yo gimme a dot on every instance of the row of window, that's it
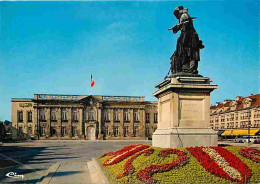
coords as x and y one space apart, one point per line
74 131
53 131
20 116
243 124
244 115
147 117
127 116
90 115
29 130
126 133
64 132
53 115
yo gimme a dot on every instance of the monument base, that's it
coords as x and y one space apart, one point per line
184 137
184 112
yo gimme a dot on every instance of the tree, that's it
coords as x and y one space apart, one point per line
2 131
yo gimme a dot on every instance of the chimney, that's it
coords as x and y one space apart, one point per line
238 98
225 101
217 103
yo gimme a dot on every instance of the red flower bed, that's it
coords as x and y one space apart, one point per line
250 154
118 151
225 167
129 169
123 153
145 174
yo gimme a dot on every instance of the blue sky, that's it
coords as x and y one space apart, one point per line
54 47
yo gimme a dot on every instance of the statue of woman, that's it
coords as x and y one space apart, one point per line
187 54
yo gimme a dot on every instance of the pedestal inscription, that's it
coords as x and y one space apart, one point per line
191 109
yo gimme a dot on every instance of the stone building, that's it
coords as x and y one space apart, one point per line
49 116
236 114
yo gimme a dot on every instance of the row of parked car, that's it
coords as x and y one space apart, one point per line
254 139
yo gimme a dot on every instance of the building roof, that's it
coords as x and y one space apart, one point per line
62 97
255 100
241 103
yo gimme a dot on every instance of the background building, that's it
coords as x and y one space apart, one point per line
237 114
49 116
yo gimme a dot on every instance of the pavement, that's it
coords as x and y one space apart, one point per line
56 161
62 162
73 172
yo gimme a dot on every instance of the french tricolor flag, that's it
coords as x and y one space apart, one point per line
92 81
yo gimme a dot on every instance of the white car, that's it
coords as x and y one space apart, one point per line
240 140
252 139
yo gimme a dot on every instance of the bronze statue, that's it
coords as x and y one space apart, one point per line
185 58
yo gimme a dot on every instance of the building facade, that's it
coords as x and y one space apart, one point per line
236 114
49 116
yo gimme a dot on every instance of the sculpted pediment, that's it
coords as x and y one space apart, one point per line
90 100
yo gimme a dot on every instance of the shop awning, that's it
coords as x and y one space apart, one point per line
220 132
240 132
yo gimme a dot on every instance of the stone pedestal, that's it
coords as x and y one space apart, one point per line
184 112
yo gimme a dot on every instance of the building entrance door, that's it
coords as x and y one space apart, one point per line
91 133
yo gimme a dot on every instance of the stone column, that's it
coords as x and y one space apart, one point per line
121 120
131 124
34 116
100 136
25 128
35 124
48 128
111 126
121 125
59 122
80 122
142 123
69 123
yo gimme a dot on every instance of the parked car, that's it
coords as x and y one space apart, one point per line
240 140
257 141
254 139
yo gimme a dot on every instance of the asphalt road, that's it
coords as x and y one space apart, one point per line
32 159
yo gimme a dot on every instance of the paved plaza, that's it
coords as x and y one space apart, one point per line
58 162
33 159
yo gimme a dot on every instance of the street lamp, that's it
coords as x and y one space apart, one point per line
249 125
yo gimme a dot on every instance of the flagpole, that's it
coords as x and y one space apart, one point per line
91 84
91 78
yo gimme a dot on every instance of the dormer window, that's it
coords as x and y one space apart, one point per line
247 102
233 105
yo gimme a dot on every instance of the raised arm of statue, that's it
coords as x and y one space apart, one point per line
175 28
